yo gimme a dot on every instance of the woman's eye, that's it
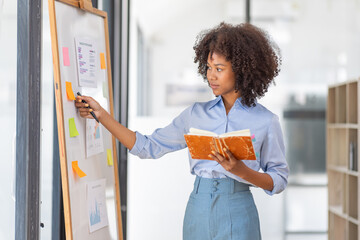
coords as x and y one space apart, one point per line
219 69
208 68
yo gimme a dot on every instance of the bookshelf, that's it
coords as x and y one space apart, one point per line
342 160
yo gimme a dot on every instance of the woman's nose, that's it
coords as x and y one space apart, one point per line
211 75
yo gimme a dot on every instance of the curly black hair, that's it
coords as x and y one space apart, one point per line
254 57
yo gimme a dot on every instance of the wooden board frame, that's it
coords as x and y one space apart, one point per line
86 6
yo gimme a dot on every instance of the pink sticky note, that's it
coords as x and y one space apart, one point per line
66 59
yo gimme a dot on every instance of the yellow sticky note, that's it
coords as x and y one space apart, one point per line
102 61
77 169
69 91
110 161
72 128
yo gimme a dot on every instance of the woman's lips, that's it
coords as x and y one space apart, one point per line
214 86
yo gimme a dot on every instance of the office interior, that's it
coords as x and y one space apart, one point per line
154 79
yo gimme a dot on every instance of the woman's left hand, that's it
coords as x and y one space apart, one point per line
230 164
238 168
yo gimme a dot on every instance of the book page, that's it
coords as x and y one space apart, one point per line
242 133
195 131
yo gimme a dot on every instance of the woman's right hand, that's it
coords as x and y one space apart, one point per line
85 111
123 134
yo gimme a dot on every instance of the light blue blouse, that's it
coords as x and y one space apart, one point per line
264 126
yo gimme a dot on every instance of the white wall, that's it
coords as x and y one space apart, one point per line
158 189
319 43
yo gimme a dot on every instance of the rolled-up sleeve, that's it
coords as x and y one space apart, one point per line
163 140
273 161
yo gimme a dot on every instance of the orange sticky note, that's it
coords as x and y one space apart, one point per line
66 59
69 91
77 169
110 161
102 61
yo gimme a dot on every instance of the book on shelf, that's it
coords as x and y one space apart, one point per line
202 142
353 157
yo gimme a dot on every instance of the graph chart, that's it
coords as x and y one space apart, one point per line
95 214
96 201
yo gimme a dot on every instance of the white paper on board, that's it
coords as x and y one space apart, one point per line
96 201
87 63
94 138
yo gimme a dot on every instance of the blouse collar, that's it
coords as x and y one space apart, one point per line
237 103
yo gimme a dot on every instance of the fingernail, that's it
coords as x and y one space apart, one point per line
90 110
86 105
79 100
213 152
210 156
224 149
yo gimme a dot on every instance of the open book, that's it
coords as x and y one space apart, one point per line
238 142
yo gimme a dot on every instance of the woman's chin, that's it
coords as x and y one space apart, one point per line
216 92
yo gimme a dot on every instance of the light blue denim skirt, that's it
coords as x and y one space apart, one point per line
221 209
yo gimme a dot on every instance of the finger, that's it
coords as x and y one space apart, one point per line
78 99
214 158
85 115
84 110
81 105
213 155
87 98
218 156
229 154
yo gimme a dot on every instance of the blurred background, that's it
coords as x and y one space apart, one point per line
319 42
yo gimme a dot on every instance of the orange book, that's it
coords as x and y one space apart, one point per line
239 143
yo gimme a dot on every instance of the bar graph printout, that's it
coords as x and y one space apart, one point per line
94 138
96 201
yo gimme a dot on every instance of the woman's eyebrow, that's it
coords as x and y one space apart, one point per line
217 64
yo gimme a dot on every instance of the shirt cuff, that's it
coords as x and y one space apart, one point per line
277 187
139 144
